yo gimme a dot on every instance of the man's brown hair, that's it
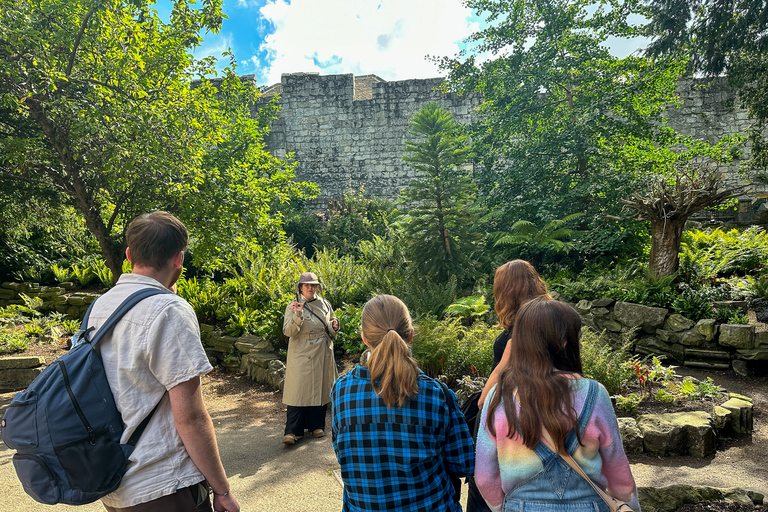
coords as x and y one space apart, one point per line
154 238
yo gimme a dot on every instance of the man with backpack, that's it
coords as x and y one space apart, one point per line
154 357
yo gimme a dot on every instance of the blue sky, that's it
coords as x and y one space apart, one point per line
388 38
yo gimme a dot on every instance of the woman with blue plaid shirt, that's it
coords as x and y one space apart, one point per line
393 431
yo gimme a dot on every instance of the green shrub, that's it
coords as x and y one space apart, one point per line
702 390
628 403
445 347
603 363
348 340
70 326
693 304
100 269
34 330
12 342
468 309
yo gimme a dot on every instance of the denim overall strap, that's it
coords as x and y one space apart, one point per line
571 441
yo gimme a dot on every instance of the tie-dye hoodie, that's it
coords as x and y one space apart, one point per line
503 463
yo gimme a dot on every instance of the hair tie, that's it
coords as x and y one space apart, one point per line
391 330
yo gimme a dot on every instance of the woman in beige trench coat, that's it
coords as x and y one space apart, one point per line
310 369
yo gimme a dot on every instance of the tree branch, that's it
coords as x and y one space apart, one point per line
77 40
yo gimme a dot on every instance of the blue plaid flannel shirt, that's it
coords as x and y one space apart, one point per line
392 459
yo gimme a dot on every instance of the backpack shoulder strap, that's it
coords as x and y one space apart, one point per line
118 313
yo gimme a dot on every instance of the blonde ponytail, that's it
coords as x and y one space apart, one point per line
386 324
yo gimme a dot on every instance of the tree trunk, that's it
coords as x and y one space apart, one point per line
665 245
73 183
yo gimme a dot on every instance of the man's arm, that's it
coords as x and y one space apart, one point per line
196 430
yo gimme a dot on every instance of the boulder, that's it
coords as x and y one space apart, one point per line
678 323
686 433
603 303
692 338
608 325
636 315
668 336
707 327
741 414
761 339
660 436
737 336
672 497
631 436
583 307
600 312
273 374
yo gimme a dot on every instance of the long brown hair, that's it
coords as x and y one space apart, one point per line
386 324
545 345
515 283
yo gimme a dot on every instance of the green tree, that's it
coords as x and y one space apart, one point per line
720 37
97 104
558 109
533 243
684 182
439 217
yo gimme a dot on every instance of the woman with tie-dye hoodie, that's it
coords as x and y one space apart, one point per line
543 406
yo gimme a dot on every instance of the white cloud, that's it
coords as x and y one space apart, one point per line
389 38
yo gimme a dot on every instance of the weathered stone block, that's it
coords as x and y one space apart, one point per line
700 354
667 336
636 315
600 312
603 303
631 436
738 336
752 355
741 415
692 338
692 432
721 418
672 497
15 363
15 379
761 339
654 346
12 286
224 344
608 325
583 307
660 436
7 294
75 300
678 323
707 327
741 305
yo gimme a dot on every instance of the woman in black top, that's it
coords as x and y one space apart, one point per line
515 283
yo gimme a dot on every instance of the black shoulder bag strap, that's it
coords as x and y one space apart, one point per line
455 480
322 321
108 325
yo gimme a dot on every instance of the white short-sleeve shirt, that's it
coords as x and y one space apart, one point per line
154 347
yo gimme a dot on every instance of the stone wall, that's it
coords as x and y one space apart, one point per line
347 131
703 344
55 298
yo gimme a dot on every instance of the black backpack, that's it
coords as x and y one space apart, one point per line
66 428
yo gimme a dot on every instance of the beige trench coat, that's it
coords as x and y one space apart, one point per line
310 368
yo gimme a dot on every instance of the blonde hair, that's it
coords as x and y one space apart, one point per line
386 324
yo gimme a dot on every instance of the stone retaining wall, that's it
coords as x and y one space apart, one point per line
703 344
55 298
